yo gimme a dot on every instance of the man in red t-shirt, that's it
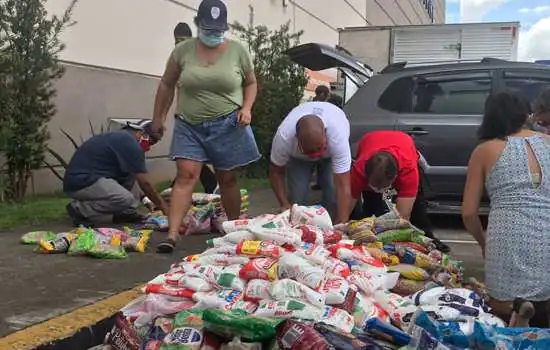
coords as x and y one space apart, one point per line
385 160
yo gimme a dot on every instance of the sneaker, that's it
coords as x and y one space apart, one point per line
131 217
76 217
442 247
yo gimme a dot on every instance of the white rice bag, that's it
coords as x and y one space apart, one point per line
276 231
195 283
314 215
231 238
317 254
294 267
290 308
370 281
218 299
289 289
335 290
338 318
257 290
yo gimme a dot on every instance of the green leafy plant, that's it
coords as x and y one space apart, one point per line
29 51
61 162
280 84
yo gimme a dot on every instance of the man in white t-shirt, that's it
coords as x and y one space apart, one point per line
313 134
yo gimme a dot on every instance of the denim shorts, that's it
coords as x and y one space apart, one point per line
220 142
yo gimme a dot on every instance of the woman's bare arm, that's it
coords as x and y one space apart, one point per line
473 190
165 91
250 87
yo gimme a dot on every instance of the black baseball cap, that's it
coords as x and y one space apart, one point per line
182 30
212 15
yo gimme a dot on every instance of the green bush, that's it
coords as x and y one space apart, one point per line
280 84
29 49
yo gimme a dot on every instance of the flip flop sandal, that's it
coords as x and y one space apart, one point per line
167 246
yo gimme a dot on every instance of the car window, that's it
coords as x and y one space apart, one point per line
457 94
527 84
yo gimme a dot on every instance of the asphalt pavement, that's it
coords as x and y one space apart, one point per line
38 287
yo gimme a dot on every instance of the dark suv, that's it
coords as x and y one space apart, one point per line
439 105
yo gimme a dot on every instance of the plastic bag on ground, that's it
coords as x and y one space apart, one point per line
60 244
83 243
289 289
314 215
238 324
148 307
290 308
36 236
294 267
294 335
136 240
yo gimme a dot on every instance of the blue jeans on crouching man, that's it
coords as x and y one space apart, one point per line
298 176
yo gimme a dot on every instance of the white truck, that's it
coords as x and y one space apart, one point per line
424 44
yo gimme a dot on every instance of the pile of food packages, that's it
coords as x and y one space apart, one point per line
295 281
105 243
205 216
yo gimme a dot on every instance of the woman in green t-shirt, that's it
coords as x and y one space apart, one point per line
216 88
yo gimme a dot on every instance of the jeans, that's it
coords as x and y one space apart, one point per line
298 176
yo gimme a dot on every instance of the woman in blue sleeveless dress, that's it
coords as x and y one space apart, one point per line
513 165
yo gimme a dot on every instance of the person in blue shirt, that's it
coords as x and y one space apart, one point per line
105 174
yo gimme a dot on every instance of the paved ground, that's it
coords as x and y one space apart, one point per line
37 287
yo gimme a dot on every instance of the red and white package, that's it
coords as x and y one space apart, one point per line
338 318
315 235
277 231
260 268
312 252
247 306
365 259
335 267
284 289
257 290
216 259
297 268
368 281
366 308
168 290
335 291
314 215
228 249
257 249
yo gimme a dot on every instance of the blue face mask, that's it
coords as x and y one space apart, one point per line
211 39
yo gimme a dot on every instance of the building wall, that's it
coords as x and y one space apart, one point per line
113 38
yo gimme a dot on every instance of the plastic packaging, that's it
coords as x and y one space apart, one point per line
289 289
237 344
317 254
257 290
381 255
58 245
405 287
217 259
318 236
344 341
83 243
403 235
36 236
314 215
335 290
294 335
257 249
290 308
277 231
335 267
260 268
168 290
195 283
410 272
386 331
136 240
294 267
369 282
233 237
235 323
338 318
217 299
364 308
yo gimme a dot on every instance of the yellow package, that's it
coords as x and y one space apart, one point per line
410 272
387 259
377 245
137 240
58 245
79 230
361 224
